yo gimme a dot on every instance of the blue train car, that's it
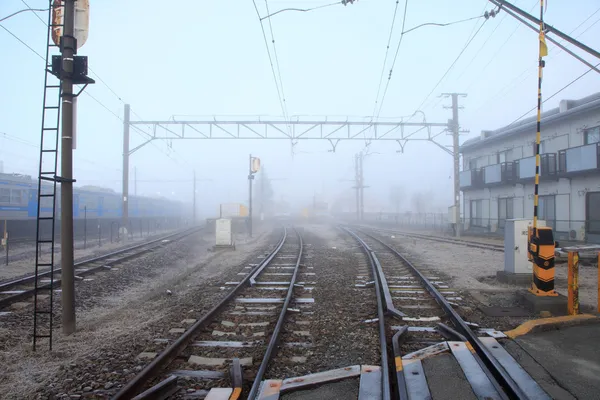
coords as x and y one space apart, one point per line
18 202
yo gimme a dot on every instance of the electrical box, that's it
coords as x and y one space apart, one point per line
516 256
452 214
224 235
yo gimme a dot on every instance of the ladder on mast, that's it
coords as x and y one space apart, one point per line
47 201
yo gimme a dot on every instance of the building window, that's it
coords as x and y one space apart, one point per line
591 135
505 211
476 213
592 213
472 163
543 147
547 210
16 196
502 156
5 196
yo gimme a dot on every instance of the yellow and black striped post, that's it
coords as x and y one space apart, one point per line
573 283
541 240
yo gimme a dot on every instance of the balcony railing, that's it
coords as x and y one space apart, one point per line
525 167
499 174
471 179
579 160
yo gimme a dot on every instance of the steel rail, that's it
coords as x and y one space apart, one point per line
468 243
275 335
27 279
494 371
385 370
6 301
135 385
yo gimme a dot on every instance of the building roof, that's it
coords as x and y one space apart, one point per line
566 109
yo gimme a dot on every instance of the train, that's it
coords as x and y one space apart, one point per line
19 196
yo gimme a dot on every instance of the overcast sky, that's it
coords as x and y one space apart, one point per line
208 58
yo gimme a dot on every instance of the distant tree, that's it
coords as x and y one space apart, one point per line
397 195
263 191
422 201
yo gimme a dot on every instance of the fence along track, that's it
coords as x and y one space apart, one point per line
462 242
233 318
18 289
502 376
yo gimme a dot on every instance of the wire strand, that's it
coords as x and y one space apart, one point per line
24 10
277 63
554 94
270 59
387 50
387 84
452 65
301 9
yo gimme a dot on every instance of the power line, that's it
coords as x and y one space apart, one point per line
94 98
387 49
555 93
387 84
22 42
516 80
482 47
276 61
452 65
24 10
300 9
283 110
497 52
482 14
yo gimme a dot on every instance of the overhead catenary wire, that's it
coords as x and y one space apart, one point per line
281 103
387 50
91 96
554 94
301 9
497 51
387 84
452 65
24 10
517 80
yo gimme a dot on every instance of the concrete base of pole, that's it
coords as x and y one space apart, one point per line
556 305
513 279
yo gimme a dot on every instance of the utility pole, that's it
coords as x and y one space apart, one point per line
125 206
357 186
135 181
262 193
250 178
194 200
68 50
455 128
362 186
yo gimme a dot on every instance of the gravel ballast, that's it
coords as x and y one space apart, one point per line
120 313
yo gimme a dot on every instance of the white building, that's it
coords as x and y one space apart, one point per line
497 180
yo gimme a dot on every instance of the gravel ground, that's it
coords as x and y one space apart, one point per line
118 322
474 269
23 258
338 334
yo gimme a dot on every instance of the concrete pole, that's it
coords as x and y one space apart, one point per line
125 206
194 200
362 186
455 149
250 177
357 184
69 49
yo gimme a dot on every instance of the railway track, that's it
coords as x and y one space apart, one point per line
420 321
15 290
461 242
225 353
